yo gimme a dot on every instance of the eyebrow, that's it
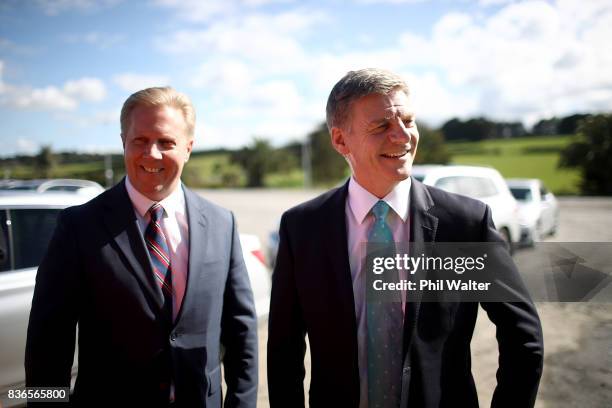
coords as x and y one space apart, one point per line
402 115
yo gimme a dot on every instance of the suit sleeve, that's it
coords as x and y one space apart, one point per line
239 332
519 335
52 326
286 331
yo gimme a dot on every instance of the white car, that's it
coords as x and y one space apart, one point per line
27 222
538 209
482 183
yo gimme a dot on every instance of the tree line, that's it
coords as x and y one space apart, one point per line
323 166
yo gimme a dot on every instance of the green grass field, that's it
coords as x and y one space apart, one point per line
533 157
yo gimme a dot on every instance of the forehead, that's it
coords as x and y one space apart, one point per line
380 106
157 118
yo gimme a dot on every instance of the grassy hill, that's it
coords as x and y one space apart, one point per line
529 157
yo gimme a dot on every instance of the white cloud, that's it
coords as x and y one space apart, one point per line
132 82
522 61
271 41
526 61
52 98
86 89
26 146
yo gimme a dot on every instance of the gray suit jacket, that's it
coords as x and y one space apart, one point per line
97 273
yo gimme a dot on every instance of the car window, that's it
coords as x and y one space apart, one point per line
31 232
521 194
64 188
5 251
471 186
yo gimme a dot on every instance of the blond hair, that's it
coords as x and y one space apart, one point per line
158 96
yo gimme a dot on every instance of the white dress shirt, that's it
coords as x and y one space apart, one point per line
176 228
359 220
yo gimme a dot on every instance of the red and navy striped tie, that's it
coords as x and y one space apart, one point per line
160 254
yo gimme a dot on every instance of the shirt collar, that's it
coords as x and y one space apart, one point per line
361 200
174 203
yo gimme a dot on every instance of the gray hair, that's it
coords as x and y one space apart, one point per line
158 96
356 84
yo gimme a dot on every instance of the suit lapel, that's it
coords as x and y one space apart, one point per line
335 244
199 237
423 228
423 225
122 224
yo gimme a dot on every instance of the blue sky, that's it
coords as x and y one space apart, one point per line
265 67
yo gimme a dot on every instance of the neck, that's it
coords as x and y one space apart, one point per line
379 191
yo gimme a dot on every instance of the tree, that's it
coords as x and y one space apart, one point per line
328 166
432 147
569 124
593 154
260 159
472 129
45 161
546 127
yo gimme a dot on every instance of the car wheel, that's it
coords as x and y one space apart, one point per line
555 227
536 234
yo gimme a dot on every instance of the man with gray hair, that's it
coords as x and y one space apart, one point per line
404 352
154 277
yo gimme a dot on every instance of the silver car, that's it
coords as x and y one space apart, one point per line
538 209
482 183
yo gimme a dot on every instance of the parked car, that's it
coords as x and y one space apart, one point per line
27 222
85 187
538 209
482 183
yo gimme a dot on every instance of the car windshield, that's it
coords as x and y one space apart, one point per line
521 194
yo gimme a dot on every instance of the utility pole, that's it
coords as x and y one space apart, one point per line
108 170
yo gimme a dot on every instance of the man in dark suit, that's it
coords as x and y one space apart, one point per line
319 282
153 275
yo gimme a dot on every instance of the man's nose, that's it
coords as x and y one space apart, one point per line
153 151
399 134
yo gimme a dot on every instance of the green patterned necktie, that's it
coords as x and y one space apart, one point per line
384 322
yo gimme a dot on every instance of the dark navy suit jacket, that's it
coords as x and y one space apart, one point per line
312 294
97 273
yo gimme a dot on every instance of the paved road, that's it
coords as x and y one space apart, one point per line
578 351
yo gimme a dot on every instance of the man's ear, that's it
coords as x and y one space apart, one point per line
189 148
338 139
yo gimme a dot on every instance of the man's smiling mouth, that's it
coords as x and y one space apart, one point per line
152 169
396 155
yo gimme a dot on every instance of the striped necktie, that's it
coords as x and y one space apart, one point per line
159 254
384 322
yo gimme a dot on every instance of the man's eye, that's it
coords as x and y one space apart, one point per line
380 127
